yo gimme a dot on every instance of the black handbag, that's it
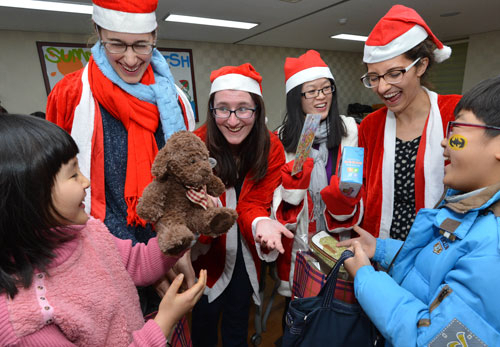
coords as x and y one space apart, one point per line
325 321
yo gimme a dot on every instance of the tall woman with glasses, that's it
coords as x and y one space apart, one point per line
311 201
120 109
249 159
403 157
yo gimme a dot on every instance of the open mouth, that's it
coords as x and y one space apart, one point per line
392 97
234 130
131 69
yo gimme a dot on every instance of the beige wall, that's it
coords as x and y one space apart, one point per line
22 88
483 58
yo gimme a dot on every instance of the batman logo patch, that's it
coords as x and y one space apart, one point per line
457 142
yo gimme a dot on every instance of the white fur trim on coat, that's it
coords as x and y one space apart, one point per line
83 129
433 163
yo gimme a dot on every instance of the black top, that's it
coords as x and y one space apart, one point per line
115 170
404 188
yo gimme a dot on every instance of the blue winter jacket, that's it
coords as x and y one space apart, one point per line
444 286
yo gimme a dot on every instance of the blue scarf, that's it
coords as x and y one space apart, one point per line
163 93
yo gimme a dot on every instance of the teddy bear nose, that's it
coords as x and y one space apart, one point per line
205 170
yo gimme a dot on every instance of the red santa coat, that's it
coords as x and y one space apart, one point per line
293 208
72 105
377 134
218 255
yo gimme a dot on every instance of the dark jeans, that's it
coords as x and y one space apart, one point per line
233 304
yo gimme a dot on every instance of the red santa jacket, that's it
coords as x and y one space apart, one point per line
373 136
218 255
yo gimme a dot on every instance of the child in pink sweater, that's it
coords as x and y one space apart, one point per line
64 279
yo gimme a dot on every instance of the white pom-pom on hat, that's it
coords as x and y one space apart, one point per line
442 54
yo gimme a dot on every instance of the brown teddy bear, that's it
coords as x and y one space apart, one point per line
176 201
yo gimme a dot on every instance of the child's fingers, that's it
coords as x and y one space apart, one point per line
175 285
202 281
345 243
360 231
358 249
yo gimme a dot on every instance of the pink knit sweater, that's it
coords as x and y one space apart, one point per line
88 296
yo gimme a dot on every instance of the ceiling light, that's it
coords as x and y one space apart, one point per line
209 21
349 37
450 14
48 6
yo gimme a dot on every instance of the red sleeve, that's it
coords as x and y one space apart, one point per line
256 197
341 212
145 263
63 99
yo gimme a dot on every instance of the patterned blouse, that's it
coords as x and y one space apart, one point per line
404 188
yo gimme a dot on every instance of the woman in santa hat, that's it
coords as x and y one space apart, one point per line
249 160
310 200
404 164
120 109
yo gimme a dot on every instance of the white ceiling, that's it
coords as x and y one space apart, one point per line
305 24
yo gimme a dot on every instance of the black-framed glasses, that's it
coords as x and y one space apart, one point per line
452 124
311 94
118 47
224 112
372 80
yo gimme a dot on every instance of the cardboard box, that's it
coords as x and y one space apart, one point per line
351 170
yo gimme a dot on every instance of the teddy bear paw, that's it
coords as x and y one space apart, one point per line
222 222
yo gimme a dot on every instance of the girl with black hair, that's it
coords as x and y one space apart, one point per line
311 201
64 278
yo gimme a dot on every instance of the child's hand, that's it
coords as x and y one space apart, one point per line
183 266
352 265
174 305
366 240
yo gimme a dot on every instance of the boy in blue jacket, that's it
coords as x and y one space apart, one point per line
442 287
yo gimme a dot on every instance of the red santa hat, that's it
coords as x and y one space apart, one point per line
397 32
308 67
125 16
243 77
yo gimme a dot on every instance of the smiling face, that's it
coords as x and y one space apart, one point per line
398 97
234 129
68 194
320 104
476 162
129 65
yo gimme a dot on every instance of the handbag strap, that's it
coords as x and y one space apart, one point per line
328 289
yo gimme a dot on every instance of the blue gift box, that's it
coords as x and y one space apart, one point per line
351 170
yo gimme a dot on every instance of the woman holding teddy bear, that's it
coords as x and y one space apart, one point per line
249 160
